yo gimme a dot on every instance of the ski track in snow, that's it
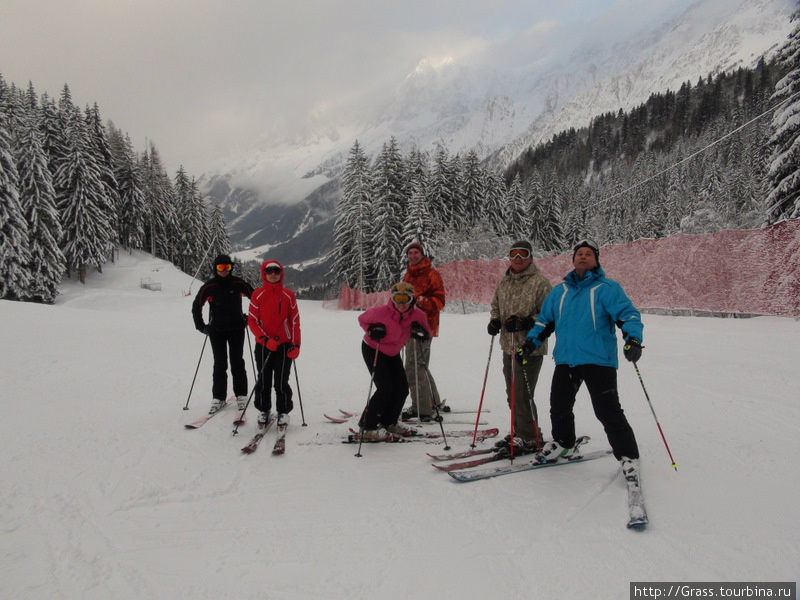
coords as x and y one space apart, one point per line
105 495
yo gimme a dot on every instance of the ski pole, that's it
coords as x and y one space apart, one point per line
513 401
250 345
483 391
366 408
430 389
240 420
299 395
652 410
534 412
195 373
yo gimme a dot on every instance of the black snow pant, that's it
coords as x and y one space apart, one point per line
601 382
391 389
275 370
224 343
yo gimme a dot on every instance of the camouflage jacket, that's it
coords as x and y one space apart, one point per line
520 294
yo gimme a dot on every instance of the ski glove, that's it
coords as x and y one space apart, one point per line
293 352
204 329
515 323
270 343
418 331
632 349
524 351
376 331
493 328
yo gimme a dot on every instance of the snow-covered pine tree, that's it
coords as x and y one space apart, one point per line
14 255
159 206
473 189
99 146
350 255
46 263
442 189
82 204
516 210
131 216
494 205
784 169
217 232
388 214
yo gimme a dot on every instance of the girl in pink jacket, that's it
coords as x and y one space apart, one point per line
388 328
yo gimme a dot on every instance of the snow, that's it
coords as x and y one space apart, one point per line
106 495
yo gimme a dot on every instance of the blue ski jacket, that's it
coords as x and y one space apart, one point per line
583 313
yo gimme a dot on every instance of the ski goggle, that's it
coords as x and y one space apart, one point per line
519 252
272 270
224 268
584 243
401 298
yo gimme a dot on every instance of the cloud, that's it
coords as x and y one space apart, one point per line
208 79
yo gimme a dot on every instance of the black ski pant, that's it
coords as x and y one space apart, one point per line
391 388
601 382
275 370
224 343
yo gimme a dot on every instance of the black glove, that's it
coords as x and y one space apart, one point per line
632 349
524 351
376 331
418 331
515 323
204 329
493 328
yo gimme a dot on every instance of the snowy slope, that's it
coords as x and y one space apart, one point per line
105 495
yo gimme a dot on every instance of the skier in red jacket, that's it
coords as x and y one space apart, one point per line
275 322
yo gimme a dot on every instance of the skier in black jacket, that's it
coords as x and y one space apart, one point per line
225 329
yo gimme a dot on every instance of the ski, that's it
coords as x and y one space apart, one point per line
336 419
417 423
206 418
252 446
347 414
280 442
482 434
637 515
519 466
467 464
430 438
464 454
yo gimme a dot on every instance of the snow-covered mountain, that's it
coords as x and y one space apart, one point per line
500 102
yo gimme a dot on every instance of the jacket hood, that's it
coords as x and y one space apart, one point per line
264 266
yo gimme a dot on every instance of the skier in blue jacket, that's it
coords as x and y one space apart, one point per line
584 312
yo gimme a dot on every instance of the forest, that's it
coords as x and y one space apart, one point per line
73 192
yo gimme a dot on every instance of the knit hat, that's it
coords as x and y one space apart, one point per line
402 292
222 259
416 245
522 245
587 243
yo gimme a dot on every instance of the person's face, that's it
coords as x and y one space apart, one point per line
520 260
584 260
273 274
414 256
402 306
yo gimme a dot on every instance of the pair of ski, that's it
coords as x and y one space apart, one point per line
280 441
428 437
637 514
346 416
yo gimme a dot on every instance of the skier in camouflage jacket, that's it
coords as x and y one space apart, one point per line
517 301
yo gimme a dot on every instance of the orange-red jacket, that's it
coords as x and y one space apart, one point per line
429 291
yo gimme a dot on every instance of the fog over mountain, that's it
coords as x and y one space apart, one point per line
498 101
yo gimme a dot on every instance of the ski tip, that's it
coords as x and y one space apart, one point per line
637 525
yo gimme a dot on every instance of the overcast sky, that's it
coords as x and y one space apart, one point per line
205 78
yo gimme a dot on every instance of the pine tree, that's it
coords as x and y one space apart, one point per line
784 169
516 213
351 251
388 214
14 241
131 216
83 207
46 262
99 147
